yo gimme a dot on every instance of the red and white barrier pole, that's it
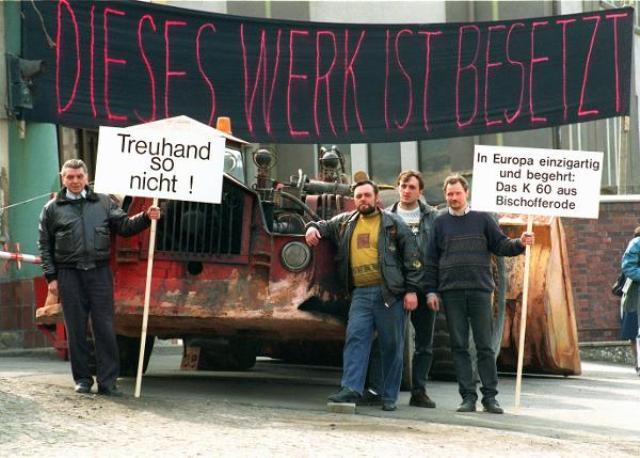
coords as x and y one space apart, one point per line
19 258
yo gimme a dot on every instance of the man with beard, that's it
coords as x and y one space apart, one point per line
377 261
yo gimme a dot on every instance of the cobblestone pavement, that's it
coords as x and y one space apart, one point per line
279 410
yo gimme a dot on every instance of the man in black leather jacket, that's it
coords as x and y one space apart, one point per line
377 261
75 244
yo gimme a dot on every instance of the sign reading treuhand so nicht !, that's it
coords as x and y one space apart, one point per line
122 63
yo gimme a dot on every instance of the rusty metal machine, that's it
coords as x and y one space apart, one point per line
236 279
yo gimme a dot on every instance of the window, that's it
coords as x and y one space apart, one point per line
80 144
384 162
612 4
612 137
435 165
441 158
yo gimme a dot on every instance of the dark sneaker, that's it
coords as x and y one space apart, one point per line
110 391
370 398
83 387
346 395
420 399
492 406
467 405
389 406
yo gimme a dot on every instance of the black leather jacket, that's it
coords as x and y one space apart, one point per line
398 255
427 215
77 233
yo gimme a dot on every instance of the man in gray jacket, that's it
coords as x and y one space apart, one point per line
377 261
75 244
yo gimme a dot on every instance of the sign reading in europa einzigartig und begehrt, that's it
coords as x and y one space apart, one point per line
536 181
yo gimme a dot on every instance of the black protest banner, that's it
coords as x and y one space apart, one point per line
120 63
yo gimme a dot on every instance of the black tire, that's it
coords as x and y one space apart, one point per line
223 354
407 356
321 353
244 354
129 349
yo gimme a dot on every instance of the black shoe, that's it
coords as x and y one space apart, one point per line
110 391
370 398
420 399
346 395
389 406
467 405
492 406
83 387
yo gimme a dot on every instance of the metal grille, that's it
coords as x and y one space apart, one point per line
194 229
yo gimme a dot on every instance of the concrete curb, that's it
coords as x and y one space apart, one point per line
165 349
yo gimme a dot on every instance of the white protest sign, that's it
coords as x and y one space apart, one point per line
177 161
536 181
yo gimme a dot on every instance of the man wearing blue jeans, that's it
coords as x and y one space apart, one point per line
458 267
377 260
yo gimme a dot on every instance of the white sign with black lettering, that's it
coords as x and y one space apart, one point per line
535 181
177 163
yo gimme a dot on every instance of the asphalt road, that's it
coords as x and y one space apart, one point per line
595 414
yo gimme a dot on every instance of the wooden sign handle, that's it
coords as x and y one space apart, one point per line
523 314
147 294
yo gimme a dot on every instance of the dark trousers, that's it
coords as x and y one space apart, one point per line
464 308
84 294
423 320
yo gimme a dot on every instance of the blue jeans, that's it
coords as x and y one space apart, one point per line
464 308
423 320
368 313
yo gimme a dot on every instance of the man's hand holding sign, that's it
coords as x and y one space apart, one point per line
534 181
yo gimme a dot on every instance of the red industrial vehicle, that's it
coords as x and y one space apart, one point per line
235 280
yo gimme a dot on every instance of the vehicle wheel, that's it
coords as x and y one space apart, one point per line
218 354
321 353
243 354
407 356
129 349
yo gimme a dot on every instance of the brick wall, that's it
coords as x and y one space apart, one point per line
17 312
595 249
